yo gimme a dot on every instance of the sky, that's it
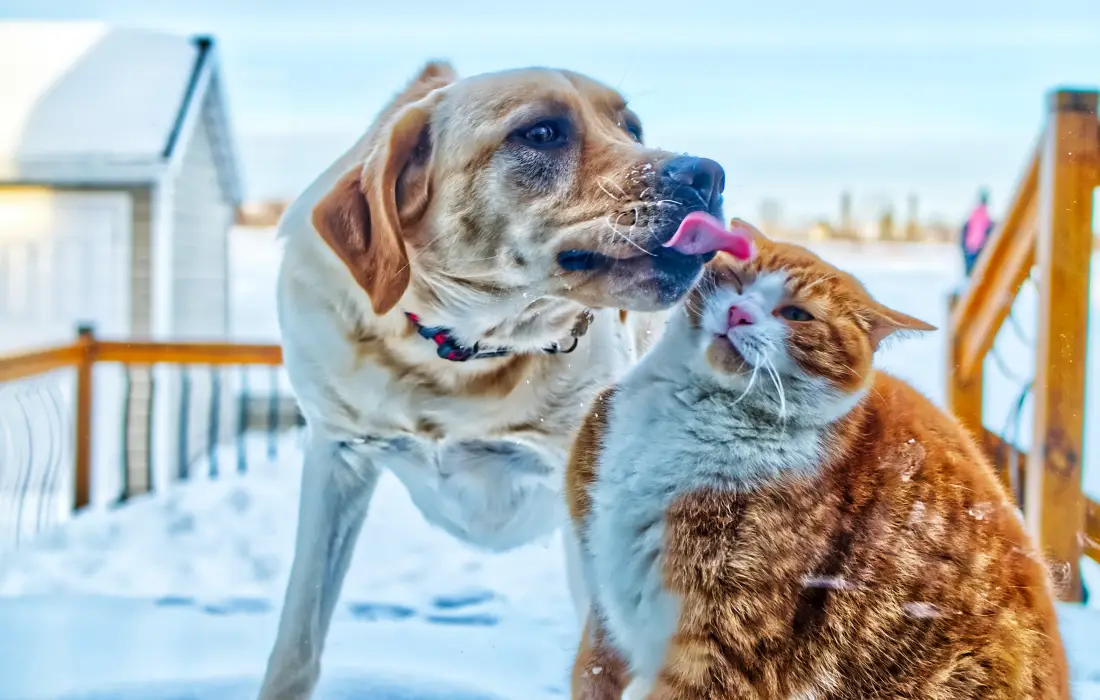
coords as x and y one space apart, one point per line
798 100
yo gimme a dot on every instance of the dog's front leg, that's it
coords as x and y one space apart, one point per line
336 489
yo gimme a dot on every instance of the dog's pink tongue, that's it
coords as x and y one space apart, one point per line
701 233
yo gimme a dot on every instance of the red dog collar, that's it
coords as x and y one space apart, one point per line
450 349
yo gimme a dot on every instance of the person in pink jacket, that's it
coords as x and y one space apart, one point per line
975 231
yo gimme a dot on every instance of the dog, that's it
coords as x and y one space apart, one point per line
454 291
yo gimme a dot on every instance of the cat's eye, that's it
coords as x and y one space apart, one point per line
794 313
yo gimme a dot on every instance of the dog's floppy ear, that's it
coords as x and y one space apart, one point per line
361 218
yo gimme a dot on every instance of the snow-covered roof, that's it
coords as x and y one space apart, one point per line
87 103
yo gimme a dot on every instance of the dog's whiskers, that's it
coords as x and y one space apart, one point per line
601 182
690 305
620 234
480 275
475 260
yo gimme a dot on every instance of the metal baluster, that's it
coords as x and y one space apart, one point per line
242 422
53 458
215 417
149 471
25 481
273 416
183 457
127 397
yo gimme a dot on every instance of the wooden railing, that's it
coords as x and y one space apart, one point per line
1048 228
88 352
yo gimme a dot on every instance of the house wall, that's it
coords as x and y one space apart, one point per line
64 259
201 219
173 407
141 312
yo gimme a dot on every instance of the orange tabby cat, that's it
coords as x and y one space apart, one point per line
765 516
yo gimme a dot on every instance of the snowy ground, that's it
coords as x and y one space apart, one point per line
182 588
175 596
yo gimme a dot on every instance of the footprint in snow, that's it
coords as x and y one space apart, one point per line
379 612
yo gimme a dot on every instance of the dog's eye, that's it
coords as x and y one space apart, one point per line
794 313
544 135
633 128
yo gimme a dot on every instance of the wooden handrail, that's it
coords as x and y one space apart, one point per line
1001 269
89 351
151 353
28 364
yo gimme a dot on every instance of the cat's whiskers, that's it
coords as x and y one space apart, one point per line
752 380
778 383
870 386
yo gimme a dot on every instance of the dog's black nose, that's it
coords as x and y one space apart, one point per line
700 174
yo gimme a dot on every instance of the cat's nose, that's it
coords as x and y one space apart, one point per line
740 316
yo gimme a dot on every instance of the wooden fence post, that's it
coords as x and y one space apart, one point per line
82 445
964 393
1055 511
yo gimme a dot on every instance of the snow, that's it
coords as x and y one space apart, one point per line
185 586
176 595
233 537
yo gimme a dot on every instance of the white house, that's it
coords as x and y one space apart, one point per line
118 183
118 186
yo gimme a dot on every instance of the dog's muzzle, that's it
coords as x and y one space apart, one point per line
687 184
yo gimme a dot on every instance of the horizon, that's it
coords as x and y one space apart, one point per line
884 102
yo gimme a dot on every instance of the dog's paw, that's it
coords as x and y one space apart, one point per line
384 444
486 448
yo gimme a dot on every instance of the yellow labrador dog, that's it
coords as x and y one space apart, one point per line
454 291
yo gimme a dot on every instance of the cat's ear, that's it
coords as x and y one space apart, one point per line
885 321
753 233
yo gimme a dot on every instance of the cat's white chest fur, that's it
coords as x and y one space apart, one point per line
666 436
626 529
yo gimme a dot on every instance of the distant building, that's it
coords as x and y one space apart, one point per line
118 182
771 215
819 231
912 219
261 214
846 228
